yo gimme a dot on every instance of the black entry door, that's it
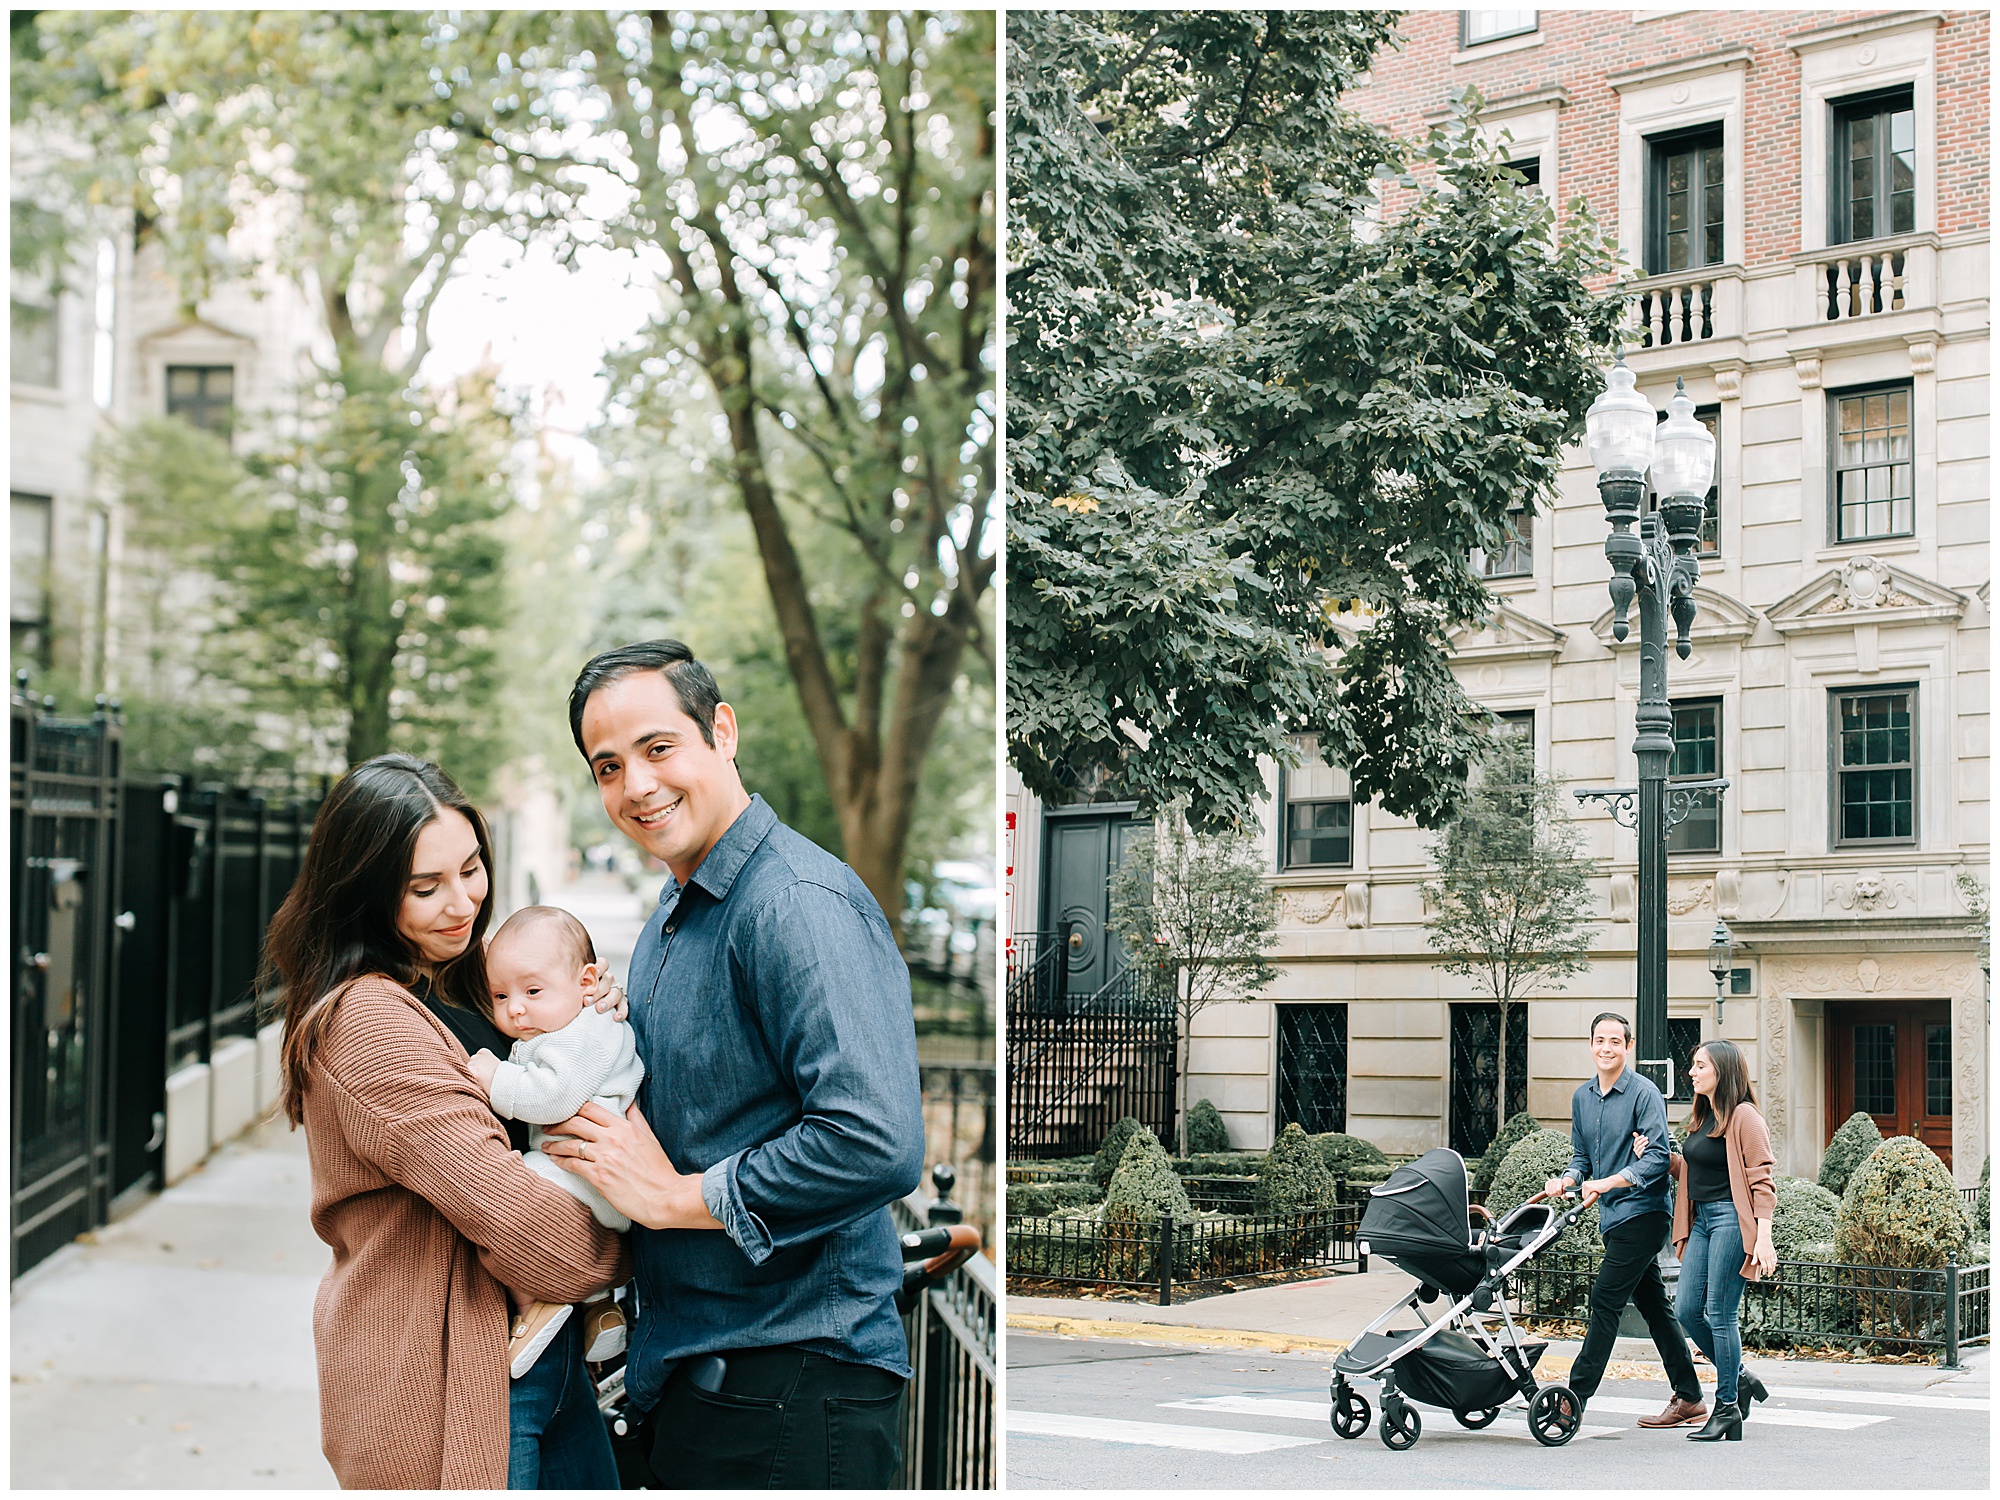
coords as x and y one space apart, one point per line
1475 1071
1312 1067
1083 851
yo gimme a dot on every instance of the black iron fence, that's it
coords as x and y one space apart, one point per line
951 1412
1078 1063
139 916
1811 1303
1164 1253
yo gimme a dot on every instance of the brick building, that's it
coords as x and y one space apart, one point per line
1804 197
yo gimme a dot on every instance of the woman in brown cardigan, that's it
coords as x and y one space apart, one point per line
430 1215
1725 1202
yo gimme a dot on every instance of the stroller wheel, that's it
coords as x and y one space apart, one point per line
1554 1415
1401 1426
1350 1415
1477 1419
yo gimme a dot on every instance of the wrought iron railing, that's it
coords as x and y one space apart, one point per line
950 1413
1162 1254
1076 1064
1937 1309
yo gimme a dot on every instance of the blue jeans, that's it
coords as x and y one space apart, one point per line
1711 1287
556 1438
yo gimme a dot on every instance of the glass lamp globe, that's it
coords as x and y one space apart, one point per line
1684 459
1620 425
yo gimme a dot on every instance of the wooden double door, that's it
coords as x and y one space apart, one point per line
1892 1061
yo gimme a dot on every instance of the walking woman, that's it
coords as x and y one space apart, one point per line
1725 1203
430 1215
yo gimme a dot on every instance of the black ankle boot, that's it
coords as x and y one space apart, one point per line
1725 1423
1750 1386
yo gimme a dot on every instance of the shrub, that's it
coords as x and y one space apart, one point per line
1367 1177
1850 1146
1800 1303
1343 1153
1294 1177
1533 1160
1519 1128
1112 1151
1144 1186
1032 1200
1205 1130
1220 1164
1806 1214
1982 1206
1067 1243
1901 1208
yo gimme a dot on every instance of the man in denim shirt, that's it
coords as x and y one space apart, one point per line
774 1019
1609 1116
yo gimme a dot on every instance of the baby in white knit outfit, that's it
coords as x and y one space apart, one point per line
565 1052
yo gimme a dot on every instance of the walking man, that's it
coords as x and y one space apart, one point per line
1631 1191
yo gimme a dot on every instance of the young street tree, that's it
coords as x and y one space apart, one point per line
1199 907
1512 895
353 155
820 189
1265 363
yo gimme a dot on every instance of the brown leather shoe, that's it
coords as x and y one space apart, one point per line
1679 1413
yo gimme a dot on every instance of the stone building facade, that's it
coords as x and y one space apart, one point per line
1804 195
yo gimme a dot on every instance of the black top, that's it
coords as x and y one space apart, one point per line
473 1031
1708 1166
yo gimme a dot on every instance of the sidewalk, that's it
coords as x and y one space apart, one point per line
173 1349
1321 1316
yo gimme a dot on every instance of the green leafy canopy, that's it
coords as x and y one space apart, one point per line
1239 404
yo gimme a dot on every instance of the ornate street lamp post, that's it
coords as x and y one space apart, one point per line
1721 958
1658 567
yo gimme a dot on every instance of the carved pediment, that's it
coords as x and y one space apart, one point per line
195 333
1509 635
1865 591
1717 617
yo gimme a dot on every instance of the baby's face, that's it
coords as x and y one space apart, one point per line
533 986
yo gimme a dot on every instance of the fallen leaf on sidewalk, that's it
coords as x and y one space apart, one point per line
181 1427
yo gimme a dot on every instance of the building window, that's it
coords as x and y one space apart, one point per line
1684 201
1318 807
1697 757
1515 724
1516 556
1476 26
1874 189
1874 465
1683 1036
1875 767
203 395
33 340
1530 168
1709 543
29 519
1312 1067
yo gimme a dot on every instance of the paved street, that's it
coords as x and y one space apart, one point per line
1109 1413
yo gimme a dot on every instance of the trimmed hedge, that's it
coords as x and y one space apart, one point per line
1526 1170
1294 1178
1982 1205
1220 1164
1901 1208
1111 1151
1342 1153
1516 1130
1205 1130
1806 1214
1849 1148
1040 1199
1144 1185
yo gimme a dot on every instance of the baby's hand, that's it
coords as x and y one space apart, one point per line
484 1065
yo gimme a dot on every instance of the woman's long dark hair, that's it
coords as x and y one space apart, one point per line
339 921
1732 1086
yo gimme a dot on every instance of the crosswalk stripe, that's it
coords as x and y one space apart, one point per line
1881 1398
1764 1416
1150 1434
1507 1424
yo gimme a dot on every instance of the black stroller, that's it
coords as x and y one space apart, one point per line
1420 1221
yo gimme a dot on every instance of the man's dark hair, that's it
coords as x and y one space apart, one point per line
693 683
1611 1015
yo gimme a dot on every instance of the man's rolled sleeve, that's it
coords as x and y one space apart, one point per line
724 1199
1649 1118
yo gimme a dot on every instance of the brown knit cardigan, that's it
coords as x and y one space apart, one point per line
1746 1143
428 1213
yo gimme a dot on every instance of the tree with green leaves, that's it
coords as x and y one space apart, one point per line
1257 424
1199 909
820 190
350 156
1510 908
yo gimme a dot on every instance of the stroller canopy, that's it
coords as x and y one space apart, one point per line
1419 1220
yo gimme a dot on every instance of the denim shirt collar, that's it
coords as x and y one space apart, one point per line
722 864
1624 1079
